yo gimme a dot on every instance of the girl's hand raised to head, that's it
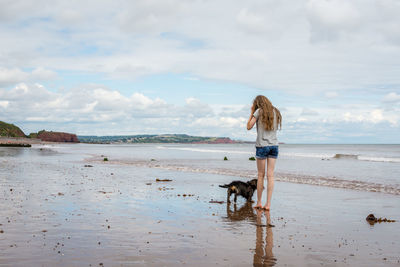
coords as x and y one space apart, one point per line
253 109
252 119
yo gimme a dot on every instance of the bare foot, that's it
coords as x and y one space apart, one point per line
258 206
266 207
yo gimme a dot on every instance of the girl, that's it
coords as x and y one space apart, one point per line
268 119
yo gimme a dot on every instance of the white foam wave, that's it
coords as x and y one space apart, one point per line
306 155
51 147
379 159
291 154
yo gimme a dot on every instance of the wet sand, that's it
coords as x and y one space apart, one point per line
56 212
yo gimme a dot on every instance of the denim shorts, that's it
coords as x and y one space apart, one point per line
267 152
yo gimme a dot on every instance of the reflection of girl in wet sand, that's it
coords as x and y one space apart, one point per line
268 119
263 255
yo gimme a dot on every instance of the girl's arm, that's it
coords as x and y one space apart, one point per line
252 120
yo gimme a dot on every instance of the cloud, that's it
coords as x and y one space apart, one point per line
33 103
265 44
4 104
374 116
331 94
250 21
329 18
308 112
392 97
11 76
41 74
195 108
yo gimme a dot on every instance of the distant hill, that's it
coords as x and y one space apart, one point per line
10 130
165 138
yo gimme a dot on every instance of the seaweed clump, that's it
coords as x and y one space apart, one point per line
371 219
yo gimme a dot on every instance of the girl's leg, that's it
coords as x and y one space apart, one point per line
270 181
260 181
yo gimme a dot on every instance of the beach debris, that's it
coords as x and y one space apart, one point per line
148 183
163 180
1 231
216 201
104 192
371 219
225 158
252 158
60 194
165 188
105 159
185 195
88 166
153 160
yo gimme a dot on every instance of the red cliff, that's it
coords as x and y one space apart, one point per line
57 137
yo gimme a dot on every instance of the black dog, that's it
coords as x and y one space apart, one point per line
240 188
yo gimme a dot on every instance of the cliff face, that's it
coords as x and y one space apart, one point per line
10 130
57 137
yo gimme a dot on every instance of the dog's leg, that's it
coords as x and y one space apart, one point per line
229 195
250 196
235 197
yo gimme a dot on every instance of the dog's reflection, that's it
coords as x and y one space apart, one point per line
263 255
245 212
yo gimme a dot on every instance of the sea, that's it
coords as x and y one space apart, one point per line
373 168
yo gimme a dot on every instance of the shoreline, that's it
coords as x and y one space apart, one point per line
19 141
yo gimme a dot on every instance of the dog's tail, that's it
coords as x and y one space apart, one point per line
224 186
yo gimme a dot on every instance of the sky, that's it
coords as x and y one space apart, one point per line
332 67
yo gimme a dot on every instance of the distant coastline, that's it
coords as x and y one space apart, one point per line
12 135
163 138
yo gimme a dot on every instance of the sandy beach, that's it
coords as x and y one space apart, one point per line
20 140
60 209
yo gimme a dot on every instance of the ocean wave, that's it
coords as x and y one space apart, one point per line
379 159
340 156
346 156
343 157
367 158
251 174
306 155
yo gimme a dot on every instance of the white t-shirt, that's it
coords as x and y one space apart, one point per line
264 137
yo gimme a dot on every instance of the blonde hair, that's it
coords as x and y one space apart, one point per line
267 113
